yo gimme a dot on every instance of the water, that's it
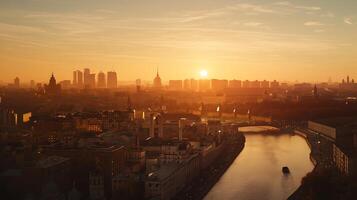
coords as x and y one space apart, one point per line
256 172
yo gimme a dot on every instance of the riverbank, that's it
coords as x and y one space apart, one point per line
198 189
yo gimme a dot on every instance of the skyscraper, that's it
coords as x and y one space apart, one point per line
75 78
80 79
86 76
157 80
101 80
112 81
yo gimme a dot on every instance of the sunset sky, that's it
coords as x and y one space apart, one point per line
305 40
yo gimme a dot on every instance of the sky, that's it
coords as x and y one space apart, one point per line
304 40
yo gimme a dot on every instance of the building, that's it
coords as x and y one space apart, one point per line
264 84
274 85
75 78
86 73
246 84
157 81
255 84
338 142
235 83
101 80
175 84
219 85
17 82
65 84
204 85
112 81
52 88
80 79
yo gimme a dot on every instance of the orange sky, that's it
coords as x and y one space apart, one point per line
284 40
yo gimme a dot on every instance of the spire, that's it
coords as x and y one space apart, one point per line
157 71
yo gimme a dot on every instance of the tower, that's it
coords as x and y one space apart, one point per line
157 80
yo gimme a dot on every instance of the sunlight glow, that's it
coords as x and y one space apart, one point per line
203 73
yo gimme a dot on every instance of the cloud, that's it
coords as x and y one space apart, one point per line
253 24
313 23
348 20
299 7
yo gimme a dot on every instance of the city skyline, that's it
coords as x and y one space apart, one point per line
283 40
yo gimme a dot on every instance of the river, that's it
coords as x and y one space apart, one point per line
256 173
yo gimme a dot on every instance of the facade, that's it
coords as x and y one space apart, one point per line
235 83
112 81
219 85
101 80
175 84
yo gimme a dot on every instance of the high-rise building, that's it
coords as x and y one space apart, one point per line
264 84
255 84
112 80
101 80
157 80
235 83
246 84
80 79
275 84
75 78
91 81
17 82
194 85
204 85
86 74
219 84
175 84
187 84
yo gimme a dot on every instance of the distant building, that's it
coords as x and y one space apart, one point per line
235 83
65 84
52 87
175 84
246 84
204 85
255 84
275 84
80 79
219 84
112 81
264 84
75 78
86 73
17 82
157 81
101 80
190 84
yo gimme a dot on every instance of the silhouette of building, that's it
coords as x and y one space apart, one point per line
175 84
275 84
112 80
75 78
17 82
52 87
86 73
138 85
79 79
235 83
219 84
101 80
157 80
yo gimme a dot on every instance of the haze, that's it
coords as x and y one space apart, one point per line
258 39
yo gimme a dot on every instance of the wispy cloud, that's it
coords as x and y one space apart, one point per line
348 20
313 23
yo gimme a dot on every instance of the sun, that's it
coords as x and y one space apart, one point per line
203 73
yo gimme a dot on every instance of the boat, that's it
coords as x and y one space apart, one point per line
285 170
